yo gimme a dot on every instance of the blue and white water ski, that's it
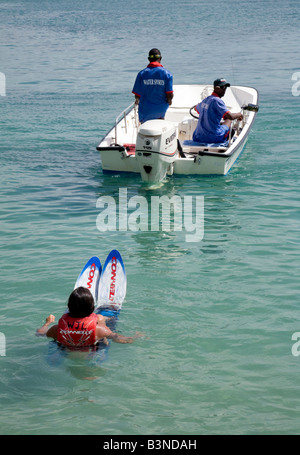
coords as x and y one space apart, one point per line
108 286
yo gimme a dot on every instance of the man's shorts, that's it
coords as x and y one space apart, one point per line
224 134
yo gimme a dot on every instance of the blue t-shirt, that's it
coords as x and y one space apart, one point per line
151 85
211 110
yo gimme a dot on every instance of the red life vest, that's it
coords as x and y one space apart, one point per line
77 332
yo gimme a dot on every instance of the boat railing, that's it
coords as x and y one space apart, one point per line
123 115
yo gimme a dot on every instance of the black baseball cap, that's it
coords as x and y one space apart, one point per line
154 54
221 83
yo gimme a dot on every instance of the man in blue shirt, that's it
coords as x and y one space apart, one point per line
211 111
153 89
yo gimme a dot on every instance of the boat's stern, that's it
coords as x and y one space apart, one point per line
156 149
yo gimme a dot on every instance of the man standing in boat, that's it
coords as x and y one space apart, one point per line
211 111
153 89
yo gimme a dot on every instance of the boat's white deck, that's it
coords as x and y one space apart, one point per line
185 97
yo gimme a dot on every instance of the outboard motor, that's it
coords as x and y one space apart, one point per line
156 149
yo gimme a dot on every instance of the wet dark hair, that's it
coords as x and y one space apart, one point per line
81 303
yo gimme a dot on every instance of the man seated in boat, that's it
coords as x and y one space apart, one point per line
153 89
211 111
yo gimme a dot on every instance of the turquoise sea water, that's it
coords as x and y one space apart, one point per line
218 315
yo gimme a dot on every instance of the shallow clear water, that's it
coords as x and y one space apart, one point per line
218 315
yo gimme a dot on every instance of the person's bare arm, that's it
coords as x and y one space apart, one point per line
169 96
232 116
117 338
45 330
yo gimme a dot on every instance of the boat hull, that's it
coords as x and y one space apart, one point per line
197 165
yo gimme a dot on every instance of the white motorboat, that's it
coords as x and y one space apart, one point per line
158 148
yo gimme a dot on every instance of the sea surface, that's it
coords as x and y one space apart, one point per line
218 315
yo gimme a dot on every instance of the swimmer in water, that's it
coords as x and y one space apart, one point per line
81 327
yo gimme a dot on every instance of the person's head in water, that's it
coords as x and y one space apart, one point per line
154 55
81 303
